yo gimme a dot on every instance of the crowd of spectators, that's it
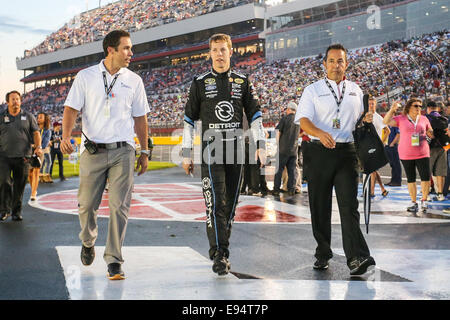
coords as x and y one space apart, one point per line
129 15
277 83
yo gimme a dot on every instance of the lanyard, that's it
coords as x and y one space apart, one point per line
414 123
108 89
338 101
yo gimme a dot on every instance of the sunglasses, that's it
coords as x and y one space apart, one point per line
416 105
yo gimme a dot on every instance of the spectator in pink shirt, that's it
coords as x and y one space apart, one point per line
413 149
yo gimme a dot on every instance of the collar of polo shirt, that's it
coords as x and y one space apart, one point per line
102 67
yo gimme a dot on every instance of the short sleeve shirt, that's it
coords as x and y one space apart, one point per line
127 99
378 123
16 134
405 149
393 134
319 106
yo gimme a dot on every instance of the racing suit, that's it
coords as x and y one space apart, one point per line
220 100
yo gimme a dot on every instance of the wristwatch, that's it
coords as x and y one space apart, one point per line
145 152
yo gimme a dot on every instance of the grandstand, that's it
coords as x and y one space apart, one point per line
276 45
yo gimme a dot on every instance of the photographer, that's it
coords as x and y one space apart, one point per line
55 149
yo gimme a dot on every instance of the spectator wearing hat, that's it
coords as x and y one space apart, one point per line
55 149
287 140
438 156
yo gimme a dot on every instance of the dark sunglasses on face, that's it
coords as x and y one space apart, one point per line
416 105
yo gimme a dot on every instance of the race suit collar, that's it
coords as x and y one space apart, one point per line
223 74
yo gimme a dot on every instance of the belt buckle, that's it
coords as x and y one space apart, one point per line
111 146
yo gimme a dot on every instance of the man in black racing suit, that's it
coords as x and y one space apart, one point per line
219 98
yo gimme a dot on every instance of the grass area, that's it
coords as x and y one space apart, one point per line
71 170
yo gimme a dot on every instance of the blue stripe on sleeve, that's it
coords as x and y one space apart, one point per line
256 115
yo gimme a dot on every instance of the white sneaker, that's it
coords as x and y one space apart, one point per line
440 197
429 198
423 206
446 210
413 207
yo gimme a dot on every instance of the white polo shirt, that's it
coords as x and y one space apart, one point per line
378 123
319 106
127 100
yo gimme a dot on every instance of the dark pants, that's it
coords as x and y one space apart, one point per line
258 179
249 180
301 153
394 162
13 178
290 162
447 178
339 168
220 184
57 153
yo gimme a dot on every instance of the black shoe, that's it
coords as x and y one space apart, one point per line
63 178
115 272
16 217
320 264
359 266
414 207
291 193
392 184
87 255
276 193
4 216
221 265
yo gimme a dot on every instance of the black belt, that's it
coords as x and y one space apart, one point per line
113 145
337 143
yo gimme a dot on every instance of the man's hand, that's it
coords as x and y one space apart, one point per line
327 140
188 166
430 133
66 146
261 155
142 163
368 118
38 151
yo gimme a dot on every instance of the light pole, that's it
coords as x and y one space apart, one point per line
418 66
440 65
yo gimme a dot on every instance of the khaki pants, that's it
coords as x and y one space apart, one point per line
117 166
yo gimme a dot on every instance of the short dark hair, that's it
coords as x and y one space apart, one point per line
112 39
335 46
11 92
431 104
